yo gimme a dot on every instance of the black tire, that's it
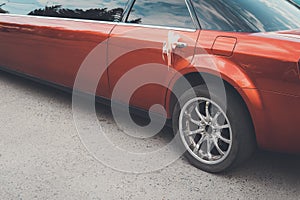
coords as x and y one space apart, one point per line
243 142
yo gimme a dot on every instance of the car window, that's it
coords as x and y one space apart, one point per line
247 15
297 2
161 13
105 10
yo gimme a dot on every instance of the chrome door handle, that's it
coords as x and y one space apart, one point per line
170 45
165 48
167 51
180 45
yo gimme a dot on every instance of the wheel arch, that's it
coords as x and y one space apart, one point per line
244 89
195 78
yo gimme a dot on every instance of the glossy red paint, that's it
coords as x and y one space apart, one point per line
50 49
262 67
129 38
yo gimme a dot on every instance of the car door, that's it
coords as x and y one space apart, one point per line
154 32
51 40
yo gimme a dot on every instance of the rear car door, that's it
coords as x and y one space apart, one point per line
50 39
158 32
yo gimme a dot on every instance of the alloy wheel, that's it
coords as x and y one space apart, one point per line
205 130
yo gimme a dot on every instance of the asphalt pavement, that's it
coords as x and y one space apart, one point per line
42 157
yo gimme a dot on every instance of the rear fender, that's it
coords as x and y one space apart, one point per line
223 68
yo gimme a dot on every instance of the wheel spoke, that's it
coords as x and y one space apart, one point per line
198 145
223 127
198 123
208 143
189 117
195 132
219 136
218 147
216 116
199 114
207 111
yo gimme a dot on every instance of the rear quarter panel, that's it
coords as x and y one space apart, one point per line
263 69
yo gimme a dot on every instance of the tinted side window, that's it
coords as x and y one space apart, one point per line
247 15
214 15
161 13
104 10
297 2
22 7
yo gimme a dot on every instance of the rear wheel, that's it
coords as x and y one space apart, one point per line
216 136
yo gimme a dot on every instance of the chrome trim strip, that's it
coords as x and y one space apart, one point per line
157 27
99 22
60 18
127 10
195 21
194 14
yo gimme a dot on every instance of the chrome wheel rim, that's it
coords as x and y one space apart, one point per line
205 130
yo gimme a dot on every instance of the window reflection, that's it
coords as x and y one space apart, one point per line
247 15
297 2
91 14
105 10
2 10
161 13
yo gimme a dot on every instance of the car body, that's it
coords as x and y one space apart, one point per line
258 62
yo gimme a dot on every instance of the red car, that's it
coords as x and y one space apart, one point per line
254 46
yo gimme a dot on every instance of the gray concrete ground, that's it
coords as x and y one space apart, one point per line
42 157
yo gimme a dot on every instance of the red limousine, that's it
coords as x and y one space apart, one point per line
254 47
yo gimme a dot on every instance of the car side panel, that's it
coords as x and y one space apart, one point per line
282 114
139 48
51 49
